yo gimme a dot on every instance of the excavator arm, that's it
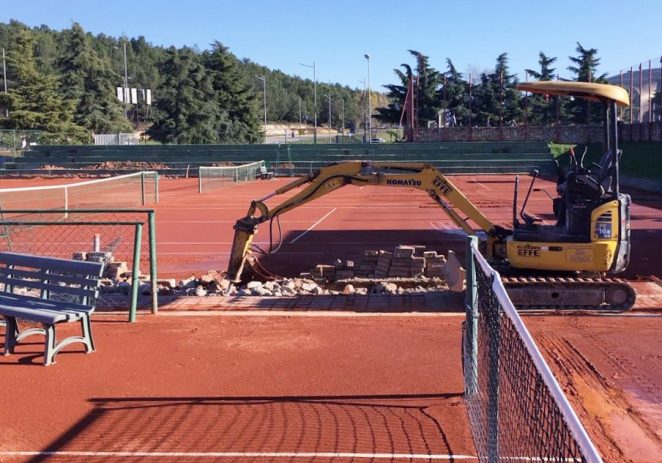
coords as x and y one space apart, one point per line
414 175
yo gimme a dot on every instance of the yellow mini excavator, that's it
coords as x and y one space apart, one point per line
561 265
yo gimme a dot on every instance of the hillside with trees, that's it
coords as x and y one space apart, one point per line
65 83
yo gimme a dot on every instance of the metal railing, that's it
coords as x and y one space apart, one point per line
63 233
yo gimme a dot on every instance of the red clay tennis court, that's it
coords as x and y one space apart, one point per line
339 385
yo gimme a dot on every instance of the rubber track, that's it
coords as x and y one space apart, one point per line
574 283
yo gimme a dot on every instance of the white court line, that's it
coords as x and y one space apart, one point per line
443 227
315 224
479 184
372 456
299 313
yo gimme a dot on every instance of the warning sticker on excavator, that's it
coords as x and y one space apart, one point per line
579 254
528 251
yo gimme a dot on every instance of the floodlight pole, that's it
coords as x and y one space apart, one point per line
315 99
330 114
342 103
264 100
329 97
367 57
363 110
126 84
4 76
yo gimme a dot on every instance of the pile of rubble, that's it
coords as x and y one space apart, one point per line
405 270
289 287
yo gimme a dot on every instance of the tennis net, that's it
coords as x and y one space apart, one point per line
517 410
210 178
138 188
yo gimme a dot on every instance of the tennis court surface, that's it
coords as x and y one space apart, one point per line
315 386
243 388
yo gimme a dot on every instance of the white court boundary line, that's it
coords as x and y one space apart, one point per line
297 313
373 456
314 225
473 180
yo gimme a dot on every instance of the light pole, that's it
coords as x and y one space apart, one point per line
4 76
363 111
342 103
126 85
367 57
315 99
329 97
264 100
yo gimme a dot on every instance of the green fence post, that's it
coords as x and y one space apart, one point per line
152 262
142 187
471 324
135 274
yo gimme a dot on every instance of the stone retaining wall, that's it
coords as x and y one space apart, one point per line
557 133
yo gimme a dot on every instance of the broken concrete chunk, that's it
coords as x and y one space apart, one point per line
200 291
308 286
348 289
253 285
211 276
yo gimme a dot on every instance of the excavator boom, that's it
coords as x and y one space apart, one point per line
421 176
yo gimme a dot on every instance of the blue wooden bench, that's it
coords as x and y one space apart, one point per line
53 291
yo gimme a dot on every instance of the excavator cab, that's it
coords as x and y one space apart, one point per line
591 232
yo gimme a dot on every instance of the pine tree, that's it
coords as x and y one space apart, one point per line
498 100
542 109
585 70
237 103
427 102
35 102
89 85
428 82
454 95
186 108
392 113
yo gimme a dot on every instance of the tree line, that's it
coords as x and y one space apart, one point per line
489 98
64 83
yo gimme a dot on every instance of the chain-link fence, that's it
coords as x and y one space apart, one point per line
14 141
112 235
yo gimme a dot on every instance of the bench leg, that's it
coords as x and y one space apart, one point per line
86 326
11 333
49 351
49 348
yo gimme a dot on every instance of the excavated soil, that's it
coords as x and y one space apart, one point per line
611 370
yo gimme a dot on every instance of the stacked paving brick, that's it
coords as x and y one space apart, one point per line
112 269
404 262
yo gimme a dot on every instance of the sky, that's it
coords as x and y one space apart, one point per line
336 35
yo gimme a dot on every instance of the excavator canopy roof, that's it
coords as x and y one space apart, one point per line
587 90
